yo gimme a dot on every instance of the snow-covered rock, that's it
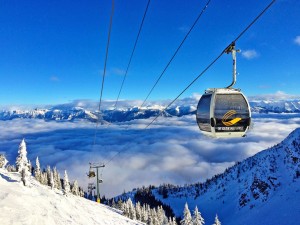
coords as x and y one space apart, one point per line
38 204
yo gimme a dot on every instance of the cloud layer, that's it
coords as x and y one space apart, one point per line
172 150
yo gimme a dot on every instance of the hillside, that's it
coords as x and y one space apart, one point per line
38 204
261 190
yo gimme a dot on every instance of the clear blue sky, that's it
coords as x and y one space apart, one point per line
53 51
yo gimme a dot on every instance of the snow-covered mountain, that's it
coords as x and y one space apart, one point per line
188 106
282 106
38 204
261 190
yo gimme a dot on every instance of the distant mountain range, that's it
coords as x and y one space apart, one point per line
263 189
72 112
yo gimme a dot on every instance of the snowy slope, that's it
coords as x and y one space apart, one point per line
37 204
261 190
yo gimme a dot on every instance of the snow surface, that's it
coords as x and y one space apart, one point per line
38 204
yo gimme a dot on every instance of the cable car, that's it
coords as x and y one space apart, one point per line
224 112
91 173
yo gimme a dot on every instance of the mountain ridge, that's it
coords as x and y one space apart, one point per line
187 107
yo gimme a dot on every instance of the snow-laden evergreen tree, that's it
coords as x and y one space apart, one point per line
22 160
37 170
44 180
197 218
75 188
131 209
52 184
11 168
22 163
56 177
138 211
48 173
120 205
3 161
187 217
174 221
66 187
217 221
144 213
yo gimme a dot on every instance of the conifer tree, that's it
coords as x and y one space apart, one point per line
197 218
174 221
131 209
48 173
187 217
75 188
66 187
217 221
51 180
120 205
22 163
3 161
56 177
37 171
138 211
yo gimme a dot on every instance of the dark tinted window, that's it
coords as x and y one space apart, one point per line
231 113
203 113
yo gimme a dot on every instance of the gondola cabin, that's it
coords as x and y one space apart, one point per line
223 112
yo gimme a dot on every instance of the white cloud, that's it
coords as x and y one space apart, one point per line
54 78
172 150
297 40
183 29
250 54
118 71
279 95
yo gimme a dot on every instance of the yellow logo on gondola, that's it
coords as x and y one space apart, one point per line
227 116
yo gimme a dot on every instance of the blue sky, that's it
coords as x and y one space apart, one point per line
53 51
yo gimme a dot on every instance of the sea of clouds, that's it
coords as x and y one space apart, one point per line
172 150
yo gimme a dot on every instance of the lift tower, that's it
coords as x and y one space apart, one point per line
92 174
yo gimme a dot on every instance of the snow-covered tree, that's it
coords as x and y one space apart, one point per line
48 173
131 209
217 221
22 163
52 184
66 184
44 180
22 160
56 177
144 213
197 218
138 211
3 161
37 171
11 168
174 221
187 217
75 188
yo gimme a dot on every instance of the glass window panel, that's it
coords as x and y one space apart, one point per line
231 113
203 113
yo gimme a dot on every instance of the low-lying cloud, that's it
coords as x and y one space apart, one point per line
172 150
